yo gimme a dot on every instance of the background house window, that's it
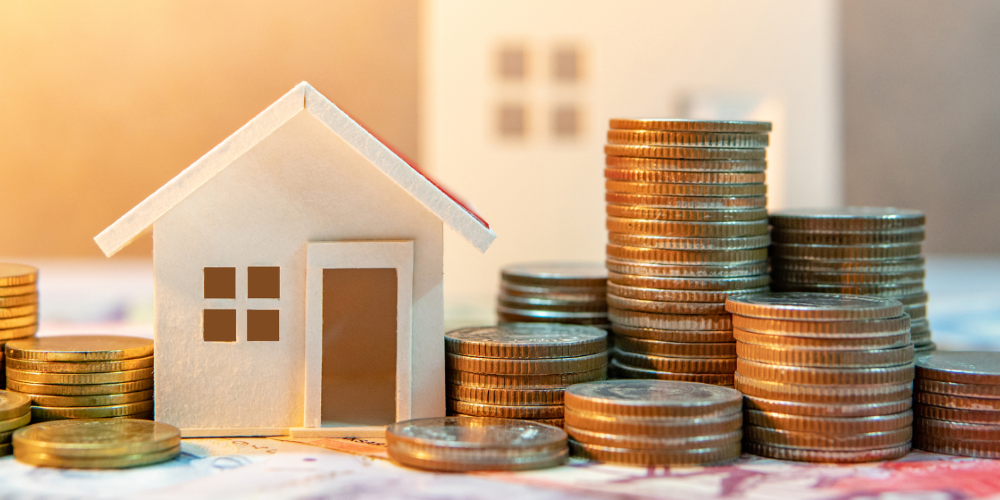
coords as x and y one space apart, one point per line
512 63
220 282
219 325
565 121
262 325
264 283
511 120
566 64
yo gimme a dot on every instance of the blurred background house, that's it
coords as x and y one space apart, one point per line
879 102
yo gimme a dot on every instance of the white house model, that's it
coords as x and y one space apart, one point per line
298 270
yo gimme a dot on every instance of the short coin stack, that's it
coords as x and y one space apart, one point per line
97 443
855 250
687 228
520 370
83 376
653 422
826 378
15 412
18 305
957 397
554 292
458 444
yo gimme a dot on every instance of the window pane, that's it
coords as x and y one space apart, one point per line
220 282
262 326
219 325
512 63
264 282
565 121
566 64
511 120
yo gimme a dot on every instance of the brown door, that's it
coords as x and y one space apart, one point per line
359 347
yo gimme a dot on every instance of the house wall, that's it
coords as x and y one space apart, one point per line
302 183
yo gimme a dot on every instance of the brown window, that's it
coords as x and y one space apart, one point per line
262 325
219 325
566 64
220 282
512 63
264 283
565 121
511 120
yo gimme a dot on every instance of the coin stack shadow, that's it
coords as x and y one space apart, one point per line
654 422
854 250
15 412
520 370
554 292
687 228
18 306
83 376
826 378
957 401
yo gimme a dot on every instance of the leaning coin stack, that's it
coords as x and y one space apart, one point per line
520 370
83 376
855 250
15 412
554 292
825 377
957 396
687 228
475 444
97 443
18 305
653 422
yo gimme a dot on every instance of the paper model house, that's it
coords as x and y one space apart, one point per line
298 270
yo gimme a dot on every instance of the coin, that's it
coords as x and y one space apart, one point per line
505 397
12 275
54 412
15 422
827 441
681 125
13 405
852 329
79 390
673 349
550 305
655 457
19 311
872 455
464 444
676 295
79 367
686 201
98 400
555 274
626 441
670 321
639 175
882 290
565 294
684 243
958 430
718 270
861 279
654 426
890 251
524 382
80 348
652 398
79 378
506 411
675 364
686 336
683 165
955 415
657 306
117 462
828 342
558 422
14 291
18 322
532 315
17 333
965 367
674 283
953 389
827 425
813 307
544 366
848 218
867 358
688 139
19 300
624 371
91 438
958 402
527 341
848 266
680 214
824 376
686 229
643 151
815 393
814 237
826 409
960 447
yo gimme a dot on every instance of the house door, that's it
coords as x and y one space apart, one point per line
358 301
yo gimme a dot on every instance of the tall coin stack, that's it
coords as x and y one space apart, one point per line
520 370
18 305
855 250
15 412
826 378
83 376
554 292
653 422
687 228
957 397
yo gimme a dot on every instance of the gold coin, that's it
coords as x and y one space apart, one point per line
6 449
98 400
827 441
623 371
684 243
19 300
19 311
79 390
81 348
7 334
118 462
655 457
654 426
673 283
870 358
676 349
676 365
17 275
81 366
685 257
621 174
657 306
668 189
798 455
547 366
92 438
16 422
686 202
18 322
700 441
17 291
681 165
712 322
506 411
79 378
13 405
685 125
53 412
643 151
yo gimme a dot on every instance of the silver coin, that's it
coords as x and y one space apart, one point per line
556 273
528 340
652 398
851 218
813 306
966 367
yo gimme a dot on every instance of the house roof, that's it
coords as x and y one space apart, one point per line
447 207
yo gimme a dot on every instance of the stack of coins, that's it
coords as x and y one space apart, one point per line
554 292
18 305
826 378
653 422
97 444
83 376
15 412
687 228
475 444
855 250
520 370
957 398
